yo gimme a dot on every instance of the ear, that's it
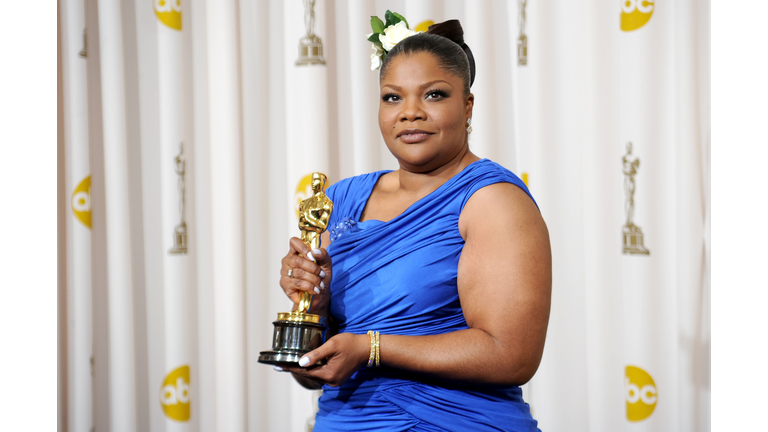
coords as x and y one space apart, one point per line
469 103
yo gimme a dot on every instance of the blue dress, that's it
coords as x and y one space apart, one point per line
399 277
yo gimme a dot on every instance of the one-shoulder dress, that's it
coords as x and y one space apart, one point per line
399 277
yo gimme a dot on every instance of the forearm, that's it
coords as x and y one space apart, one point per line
464 356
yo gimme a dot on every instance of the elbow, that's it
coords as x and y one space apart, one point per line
521 376
521 371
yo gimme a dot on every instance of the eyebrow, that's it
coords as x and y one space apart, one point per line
423 86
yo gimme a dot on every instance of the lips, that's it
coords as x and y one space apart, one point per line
413 136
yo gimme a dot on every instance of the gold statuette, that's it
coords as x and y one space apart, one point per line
299 332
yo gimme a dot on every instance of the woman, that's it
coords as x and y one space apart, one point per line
447 258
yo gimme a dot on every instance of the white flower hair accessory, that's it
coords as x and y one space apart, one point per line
386 35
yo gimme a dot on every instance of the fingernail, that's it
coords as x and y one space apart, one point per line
322 285
317 252
309 255
322 274
317 290
278 368
304 361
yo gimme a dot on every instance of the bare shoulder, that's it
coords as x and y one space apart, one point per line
502 206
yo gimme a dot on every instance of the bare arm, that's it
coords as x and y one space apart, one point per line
504 282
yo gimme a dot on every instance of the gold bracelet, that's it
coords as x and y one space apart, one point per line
372 357
378 359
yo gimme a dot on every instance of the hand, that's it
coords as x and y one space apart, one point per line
345 353
306 275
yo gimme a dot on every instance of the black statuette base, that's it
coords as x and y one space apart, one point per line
291 340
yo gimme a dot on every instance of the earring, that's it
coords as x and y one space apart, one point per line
469 125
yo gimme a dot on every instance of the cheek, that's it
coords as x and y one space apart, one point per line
387 118
449 121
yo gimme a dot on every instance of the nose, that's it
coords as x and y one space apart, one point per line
412 110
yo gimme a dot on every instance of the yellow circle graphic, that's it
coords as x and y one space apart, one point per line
168 12
81 202
303 191
635 13
640 394
174 394
424 25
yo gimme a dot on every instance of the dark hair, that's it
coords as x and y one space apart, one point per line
445 41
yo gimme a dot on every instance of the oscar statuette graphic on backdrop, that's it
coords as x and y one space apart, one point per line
180 231
299 332
522 39
632 234
310 46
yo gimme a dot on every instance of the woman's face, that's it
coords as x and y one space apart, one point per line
423 112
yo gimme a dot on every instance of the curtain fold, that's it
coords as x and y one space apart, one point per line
189 133
78 190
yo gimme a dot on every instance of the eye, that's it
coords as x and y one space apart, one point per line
390 97
436 94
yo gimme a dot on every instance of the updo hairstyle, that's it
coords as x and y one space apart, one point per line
445 41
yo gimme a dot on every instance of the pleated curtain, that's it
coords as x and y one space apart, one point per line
193 118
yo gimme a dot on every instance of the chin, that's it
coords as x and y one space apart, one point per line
420 163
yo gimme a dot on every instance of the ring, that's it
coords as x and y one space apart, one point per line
290 273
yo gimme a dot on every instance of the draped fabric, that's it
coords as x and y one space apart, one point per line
400 277
193 118
375 262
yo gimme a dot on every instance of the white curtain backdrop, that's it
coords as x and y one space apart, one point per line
162 341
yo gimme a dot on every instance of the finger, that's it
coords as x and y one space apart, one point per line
293 285
321 257
298 260
313 374
292 369
299 247
303 270
324 351
294 265
323 260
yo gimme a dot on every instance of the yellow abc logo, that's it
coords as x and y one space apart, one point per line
174 394
81 202
635 13
640 393
424 25
303 191
168 12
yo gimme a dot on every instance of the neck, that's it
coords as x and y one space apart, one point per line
413 180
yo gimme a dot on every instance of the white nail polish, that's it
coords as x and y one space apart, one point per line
317 290
317 252
304 361
278 368
309 256
322 274
322 285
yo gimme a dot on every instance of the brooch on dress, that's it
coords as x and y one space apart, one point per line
347 224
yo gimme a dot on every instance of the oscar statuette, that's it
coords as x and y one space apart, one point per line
299 332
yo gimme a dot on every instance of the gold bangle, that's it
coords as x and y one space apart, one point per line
378 359
372 357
